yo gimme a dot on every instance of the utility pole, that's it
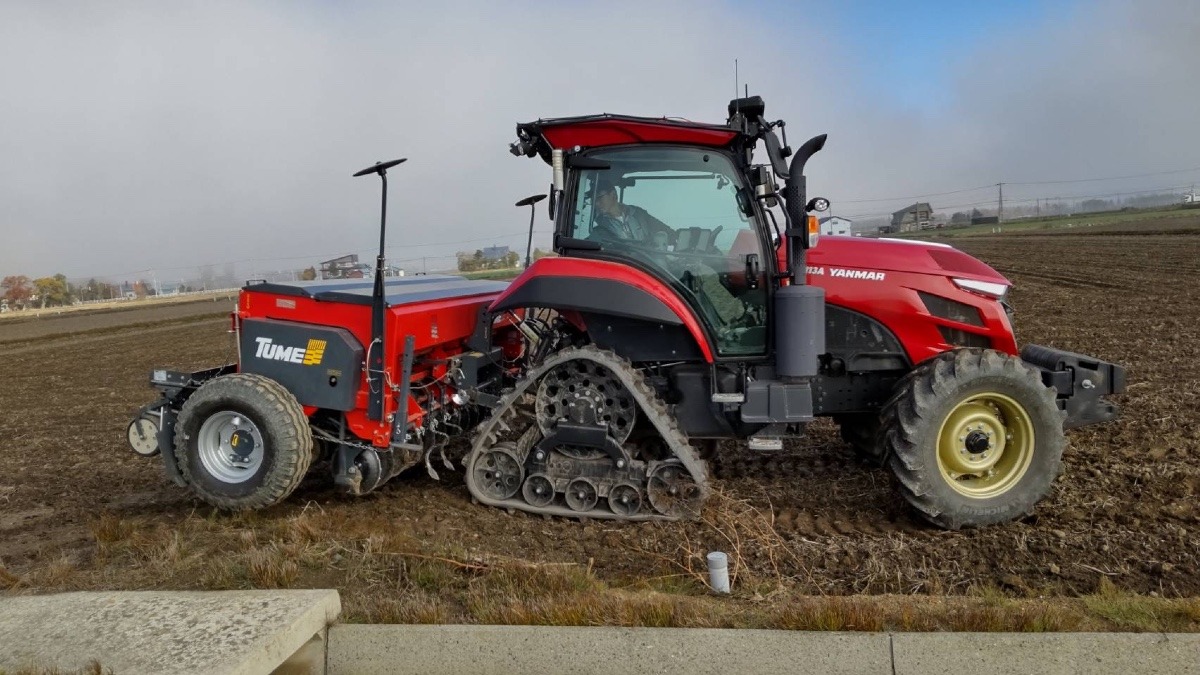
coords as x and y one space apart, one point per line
1039 208
1000 206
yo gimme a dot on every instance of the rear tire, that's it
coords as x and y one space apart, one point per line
973 438
242 442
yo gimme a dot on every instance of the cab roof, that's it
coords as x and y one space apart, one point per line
593 131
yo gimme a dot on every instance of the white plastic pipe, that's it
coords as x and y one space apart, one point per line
718 571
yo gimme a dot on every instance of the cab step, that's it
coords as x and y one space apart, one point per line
769 438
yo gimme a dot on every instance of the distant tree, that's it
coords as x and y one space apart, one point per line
538 254
960 217
976 213
471 262
308 274
18 289
511 259
52 291
1095 205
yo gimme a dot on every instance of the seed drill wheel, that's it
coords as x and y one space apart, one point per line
974 438
242 442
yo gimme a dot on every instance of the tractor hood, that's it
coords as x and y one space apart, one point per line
901 255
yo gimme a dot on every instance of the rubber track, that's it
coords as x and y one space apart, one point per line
651 406
290 466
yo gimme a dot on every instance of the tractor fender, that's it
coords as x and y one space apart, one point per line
599 287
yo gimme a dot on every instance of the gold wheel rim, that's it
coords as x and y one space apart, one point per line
985 445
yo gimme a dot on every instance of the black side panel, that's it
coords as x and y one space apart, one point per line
600 296
321 366
690 394
777 402
641 341
861 343
853 392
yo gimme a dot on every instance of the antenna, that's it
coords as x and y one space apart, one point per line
737 107
375 357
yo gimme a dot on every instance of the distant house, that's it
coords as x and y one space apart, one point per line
345 267
495 252
836 225
915 217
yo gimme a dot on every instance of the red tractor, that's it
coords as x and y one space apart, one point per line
689 304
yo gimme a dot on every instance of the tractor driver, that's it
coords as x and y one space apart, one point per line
617 222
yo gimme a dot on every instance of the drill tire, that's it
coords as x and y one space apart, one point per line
287 443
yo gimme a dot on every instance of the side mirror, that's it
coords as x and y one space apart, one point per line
764 185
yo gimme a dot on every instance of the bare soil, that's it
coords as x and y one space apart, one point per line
79 510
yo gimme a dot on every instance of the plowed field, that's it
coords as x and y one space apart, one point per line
1125 508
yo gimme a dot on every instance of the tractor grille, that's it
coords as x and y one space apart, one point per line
946 308
961 338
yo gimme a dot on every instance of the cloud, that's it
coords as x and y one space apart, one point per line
163 136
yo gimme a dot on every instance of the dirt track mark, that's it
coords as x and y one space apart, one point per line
1075 282
28 328
76 340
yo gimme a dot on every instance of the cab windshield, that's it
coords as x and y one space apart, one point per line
685 213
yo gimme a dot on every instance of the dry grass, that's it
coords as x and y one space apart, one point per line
386 577
8 580
747 534
1130 612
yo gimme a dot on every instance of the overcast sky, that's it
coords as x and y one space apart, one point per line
161 136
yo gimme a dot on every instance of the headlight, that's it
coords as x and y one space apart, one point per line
988 288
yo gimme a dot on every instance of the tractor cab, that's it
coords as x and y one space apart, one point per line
681 202
685 216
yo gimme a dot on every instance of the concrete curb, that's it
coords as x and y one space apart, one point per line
164 632
1050 653
289 632
482 650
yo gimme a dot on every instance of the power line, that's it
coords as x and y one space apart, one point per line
1094 180
312 256
931 194
1029 200
1044 182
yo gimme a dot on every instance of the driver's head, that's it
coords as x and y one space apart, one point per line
606 198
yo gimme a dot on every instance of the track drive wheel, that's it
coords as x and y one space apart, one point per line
974 438
242 442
